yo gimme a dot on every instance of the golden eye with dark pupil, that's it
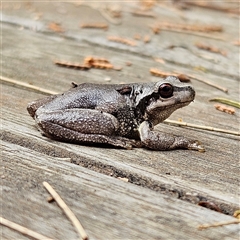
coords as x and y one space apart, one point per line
165 90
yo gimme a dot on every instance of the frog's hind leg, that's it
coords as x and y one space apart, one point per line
68 135
82 126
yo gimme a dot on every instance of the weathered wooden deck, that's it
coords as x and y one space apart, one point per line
160 199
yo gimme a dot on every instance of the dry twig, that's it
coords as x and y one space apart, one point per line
236 214
182 77
27 85
122 40
226 101
201 32
208 83
72 65
208 128
67 211
139 13
102 65
95 25
23 230
211 48
206 4
223 108
190 27
219 224
98 62
89 62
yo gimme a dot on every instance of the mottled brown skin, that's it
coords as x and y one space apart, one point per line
120 115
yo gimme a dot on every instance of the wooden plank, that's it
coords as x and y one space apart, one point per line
194 178
184 53
44 73
151 207
59 80
108 208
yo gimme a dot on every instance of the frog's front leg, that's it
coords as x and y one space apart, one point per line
162 141
82 126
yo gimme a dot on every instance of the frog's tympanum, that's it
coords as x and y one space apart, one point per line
120 115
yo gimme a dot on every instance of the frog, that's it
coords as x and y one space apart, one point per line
121 115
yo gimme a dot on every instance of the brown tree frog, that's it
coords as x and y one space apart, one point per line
120 115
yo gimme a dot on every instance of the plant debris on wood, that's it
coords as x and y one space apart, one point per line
56 27
89 62
219 224
159 73
122 40
103 26
188 27
66 210
209 5
210 48
224 108
75 65
226 101
25 231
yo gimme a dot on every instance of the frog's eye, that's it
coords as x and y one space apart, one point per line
165 90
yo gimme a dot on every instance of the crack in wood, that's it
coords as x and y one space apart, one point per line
136 179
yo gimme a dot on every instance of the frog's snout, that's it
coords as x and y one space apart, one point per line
192 92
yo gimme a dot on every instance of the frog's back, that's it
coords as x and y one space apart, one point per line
86 95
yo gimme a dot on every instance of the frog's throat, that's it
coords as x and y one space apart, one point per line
159 114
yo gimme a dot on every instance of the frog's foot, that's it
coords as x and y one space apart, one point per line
196 145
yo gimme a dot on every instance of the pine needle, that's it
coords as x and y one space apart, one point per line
23 230
208 128
27 85
67 211
219 224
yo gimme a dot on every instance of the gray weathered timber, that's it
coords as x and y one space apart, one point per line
108 208
177 163
159 201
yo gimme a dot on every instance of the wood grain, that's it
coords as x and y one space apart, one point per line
159 201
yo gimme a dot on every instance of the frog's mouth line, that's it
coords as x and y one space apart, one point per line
174 105
184 103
